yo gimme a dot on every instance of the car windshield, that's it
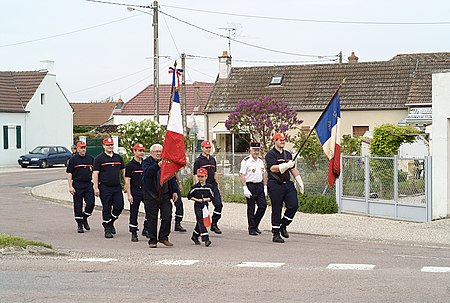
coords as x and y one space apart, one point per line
40 150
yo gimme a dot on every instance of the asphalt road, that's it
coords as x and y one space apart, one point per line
236 268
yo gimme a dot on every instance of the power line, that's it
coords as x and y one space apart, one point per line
310 20
121 4
68 33
265 61
241 42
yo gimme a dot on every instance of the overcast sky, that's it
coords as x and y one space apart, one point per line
103 50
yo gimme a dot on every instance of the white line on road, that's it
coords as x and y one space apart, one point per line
435 269
178 262
351 266
103 260
260 264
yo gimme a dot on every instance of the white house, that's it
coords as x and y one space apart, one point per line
33 111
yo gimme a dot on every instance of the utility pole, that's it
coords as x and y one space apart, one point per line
183 93
155 62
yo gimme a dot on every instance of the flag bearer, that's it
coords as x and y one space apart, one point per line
79 176
281 188
254 182
201 193
107 169
133 185
206 161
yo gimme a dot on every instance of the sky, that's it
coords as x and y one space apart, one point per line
105 51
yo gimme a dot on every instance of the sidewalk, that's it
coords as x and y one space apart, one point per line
436 233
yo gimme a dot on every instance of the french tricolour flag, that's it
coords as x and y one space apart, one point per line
206 216
328 132
173 154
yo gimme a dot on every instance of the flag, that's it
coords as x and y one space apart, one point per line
206 216
173 155
328 132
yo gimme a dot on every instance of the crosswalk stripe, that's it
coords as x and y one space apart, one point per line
435 269
260 264
177 262
103 260
351 266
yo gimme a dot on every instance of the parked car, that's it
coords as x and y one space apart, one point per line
45 156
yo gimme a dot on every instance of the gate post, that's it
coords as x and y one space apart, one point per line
396 185
428 193
366 182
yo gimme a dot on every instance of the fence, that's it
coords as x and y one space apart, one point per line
386 187
314 174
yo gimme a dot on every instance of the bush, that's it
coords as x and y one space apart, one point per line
236 198
317 204
186 182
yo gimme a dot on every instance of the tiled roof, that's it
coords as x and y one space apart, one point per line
143 104
17 88
92 114
394 84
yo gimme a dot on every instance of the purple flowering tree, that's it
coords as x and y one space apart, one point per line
261 119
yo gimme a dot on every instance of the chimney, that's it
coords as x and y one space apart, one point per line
48 65
119 106
352 59
224 65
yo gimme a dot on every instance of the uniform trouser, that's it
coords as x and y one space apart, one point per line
200 229
83 191
278 194
152 208
112 202
134 210
259 198
217 202
179 209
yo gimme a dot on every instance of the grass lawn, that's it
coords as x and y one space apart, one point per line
7 240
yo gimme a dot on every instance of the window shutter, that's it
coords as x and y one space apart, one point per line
5 136
19 136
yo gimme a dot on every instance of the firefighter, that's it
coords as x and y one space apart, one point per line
79 176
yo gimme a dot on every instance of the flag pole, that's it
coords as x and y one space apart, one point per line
321 115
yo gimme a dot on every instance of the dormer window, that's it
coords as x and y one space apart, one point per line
276 79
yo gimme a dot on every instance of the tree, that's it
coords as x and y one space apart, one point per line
146 132
351 145
261 119
387 139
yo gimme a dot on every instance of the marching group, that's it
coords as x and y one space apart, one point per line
101 177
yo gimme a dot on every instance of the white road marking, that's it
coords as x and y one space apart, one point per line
260 264
435 269
177 262
103 260
351 266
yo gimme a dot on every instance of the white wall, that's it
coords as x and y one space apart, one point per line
441 148
49 123
9 156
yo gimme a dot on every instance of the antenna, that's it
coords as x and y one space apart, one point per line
231 31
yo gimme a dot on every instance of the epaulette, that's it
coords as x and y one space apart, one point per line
246 158
261 158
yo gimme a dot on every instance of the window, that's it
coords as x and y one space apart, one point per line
276 80
42 98
61 150
360 130
305 129
12 136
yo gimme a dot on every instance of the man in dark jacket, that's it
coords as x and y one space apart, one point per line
157 198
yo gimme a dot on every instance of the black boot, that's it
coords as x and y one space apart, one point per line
80 228
179 228
113 230
107 227
195 240
134 236
277 238
284 232
85 223
145 230
216 229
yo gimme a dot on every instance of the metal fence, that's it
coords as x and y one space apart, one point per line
386 186
314 174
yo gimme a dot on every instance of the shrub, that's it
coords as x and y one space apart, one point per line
317 204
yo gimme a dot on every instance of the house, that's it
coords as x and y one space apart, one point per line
141 106
93 113
33 111
374 92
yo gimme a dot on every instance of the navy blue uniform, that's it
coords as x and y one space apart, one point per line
157 199
200 192
81 170
134 171
281 189
210 165
109 185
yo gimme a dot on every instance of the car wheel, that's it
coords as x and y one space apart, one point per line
44 164
24 166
